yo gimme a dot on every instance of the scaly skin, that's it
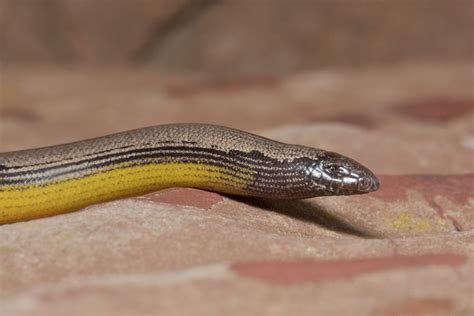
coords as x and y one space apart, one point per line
58 179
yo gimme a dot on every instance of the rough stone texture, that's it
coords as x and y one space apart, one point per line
407 249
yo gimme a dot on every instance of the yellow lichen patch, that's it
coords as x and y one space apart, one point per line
407 223
19 203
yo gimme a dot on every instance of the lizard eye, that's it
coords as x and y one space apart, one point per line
332 169
336 169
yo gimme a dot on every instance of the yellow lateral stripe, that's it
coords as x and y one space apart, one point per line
127 170
23 203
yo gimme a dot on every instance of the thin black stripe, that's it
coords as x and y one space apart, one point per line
252 156
242 157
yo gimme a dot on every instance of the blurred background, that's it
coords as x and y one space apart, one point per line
237 37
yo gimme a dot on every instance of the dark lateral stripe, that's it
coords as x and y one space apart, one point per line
252 156
156 157
95 154
279 175
243 159
255 183
143 159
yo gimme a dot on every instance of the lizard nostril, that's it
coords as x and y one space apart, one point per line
375 184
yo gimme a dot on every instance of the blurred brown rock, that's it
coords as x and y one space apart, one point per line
70 31
236 37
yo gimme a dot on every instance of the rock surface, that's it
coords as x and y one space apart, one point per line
407 249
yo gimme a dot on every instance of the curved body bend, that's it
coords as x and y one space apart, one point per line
58 179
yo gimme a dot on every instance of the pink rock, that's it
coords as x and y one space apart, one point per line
405 249
419 307
442 109
313 271
187 197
